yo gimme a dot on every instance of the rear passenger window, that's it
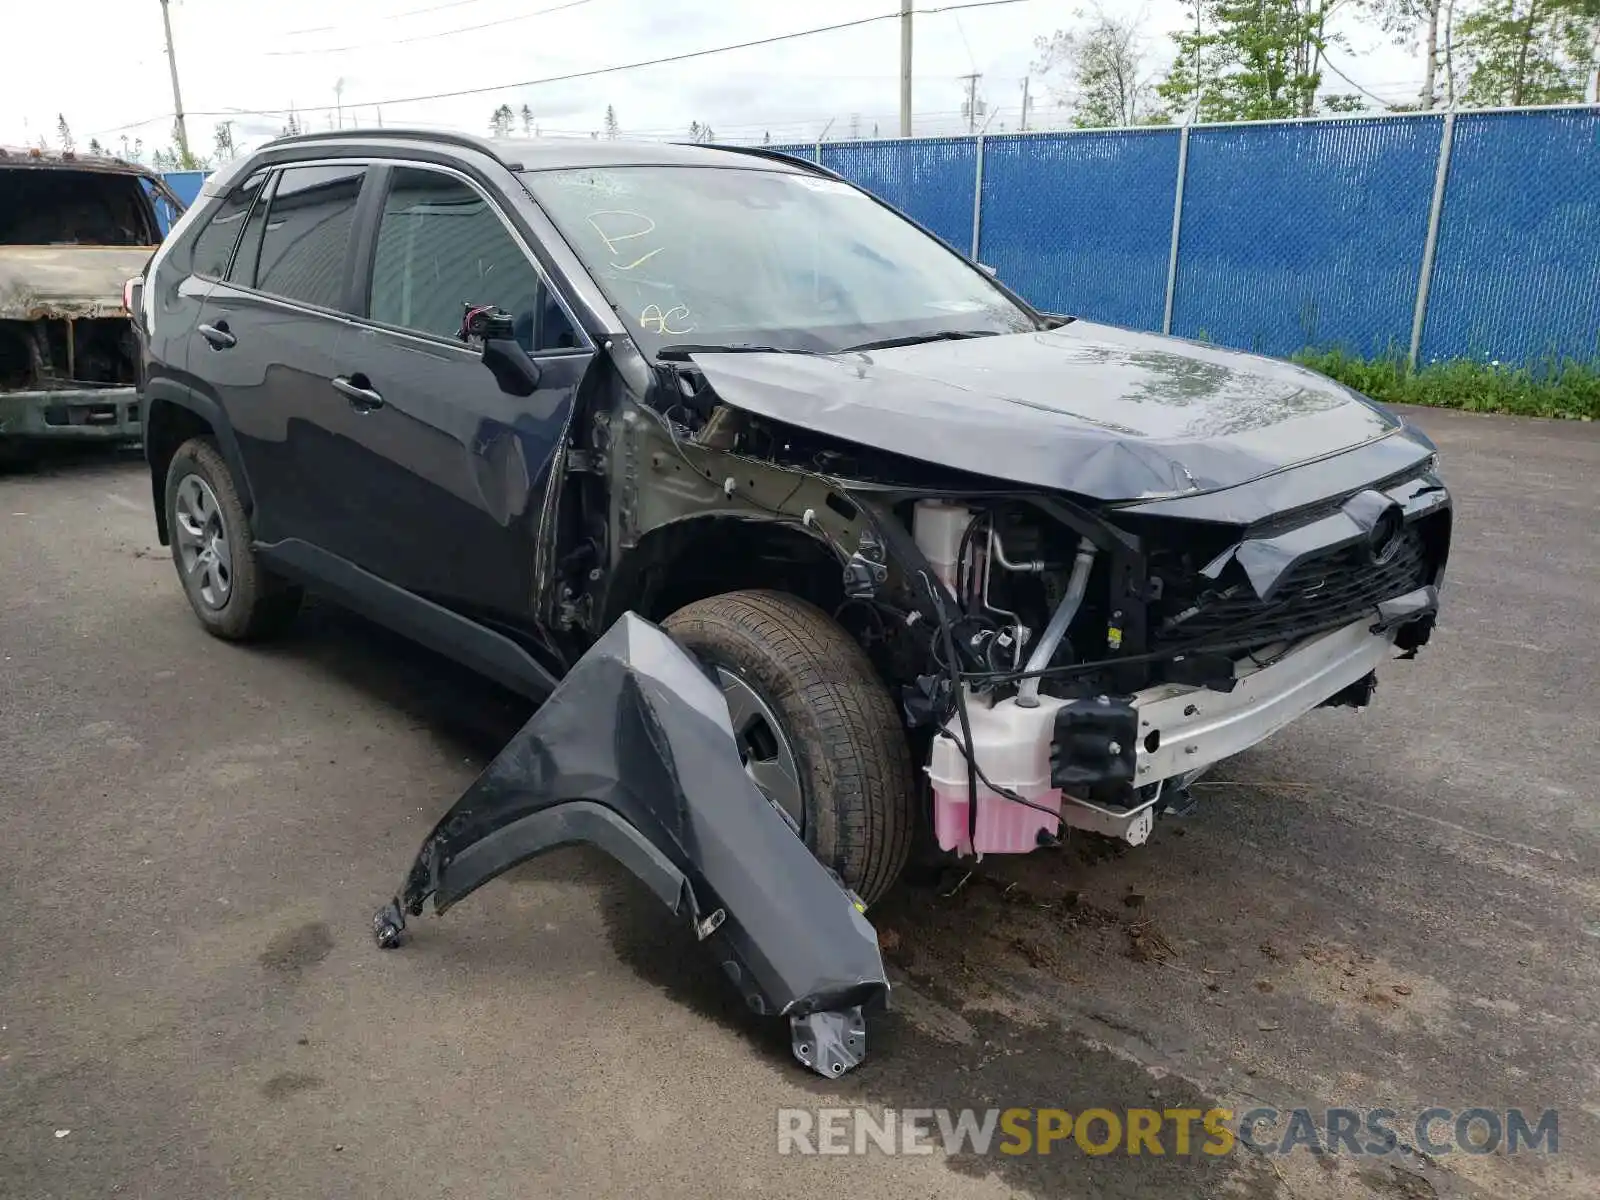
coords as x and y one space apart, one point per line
214 247
307 235
441 246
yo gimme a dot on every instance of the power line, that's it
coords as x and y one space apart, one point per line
653 62
413 12
1327 62
428 37
162 116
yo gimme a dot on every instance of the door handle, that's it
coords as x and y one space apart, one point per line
218 335
362 396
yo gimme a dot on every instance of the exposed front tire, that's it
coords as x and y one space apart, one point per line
816 727
230 591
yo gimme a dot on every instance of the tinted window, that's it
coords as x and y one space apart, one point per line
214 246
243 270
442 246
307 237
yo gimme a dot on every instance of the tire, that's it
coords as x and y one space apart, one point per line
854 767
242 602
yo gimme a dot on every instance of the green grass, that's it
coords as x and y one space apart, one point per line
1568 388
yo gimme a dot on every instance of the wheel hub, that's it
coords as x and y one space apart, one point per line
763 748
202 541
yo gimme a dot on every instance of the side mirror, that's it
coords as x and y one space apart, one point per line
508 362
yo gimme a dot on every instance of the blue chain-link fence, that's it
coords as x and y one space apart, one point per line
1288 235
1517 275
1276 236
1082 223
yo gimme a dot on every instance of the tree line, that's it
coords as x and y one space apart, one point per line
1252 60
172 157
503 122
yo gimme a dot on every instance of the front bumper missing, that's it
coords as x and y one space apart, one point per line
1197 728
1184 730
633 753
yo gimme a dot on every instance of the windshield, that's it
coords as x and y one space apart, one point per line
55 206
709 256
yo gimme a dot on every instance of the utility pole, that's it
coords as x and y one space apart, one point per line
1024 128
177 96
905 68
338 99
972 103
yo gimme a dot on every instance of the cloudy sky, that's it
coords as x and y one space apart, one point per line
102 64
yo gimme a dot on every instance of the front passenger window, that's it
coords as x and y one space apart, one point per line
441 246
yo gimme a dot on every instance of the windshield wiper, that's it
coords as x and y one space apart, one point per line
680 350
944 335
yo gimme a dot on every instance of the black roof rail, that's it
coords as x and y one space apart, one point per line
815 168
390 132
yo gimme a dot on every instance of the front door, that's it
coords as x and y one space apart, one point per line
460 469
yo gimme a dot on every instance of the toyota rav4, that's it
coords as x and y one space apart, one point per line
955 564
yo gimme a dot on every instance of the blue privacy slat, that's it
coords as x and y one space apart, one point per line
1082 222
185 184
929 179
1305 234
1517 272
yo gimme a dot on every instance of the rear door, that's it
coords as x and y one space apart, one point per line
175 293
268 341
456 471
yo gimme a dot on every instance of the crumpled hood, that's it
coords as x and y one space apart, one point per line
1094 409
66 281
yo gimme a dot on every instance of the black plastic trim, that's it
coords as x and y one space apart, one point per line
491 654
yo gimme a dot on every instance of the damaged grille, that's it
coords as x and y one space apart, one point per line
1323 592
54 354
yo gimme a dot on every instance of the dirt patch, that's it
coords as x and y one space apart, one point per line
1398 1183
280 1087
1357 984
296 949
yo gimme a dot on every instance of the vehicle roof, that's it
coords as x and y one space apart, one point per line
546 154
542 154
33 156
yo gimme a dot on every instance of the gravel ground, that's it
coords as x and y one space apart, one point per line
1396 908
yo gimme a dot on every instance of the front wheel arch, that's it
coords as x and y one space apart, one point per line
698 557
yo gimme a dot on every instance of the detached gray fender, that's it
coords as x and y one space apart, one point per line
633 753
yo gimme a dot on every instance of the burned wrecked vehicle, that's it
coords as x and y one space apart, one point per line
952 564
73 230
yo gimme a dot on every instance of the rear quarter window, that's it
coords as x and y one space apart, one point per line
213 246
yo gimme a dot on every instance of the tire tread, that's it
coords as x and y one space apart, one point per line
855 747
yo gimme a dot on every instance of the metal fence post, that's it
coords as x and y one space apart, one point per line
1177 225
977 202
818 153
1425 278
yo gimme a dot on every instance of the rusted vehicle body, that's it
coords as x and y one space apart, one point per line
72 231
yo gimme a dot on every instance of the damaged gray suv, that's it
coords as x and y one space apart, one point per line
960 569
